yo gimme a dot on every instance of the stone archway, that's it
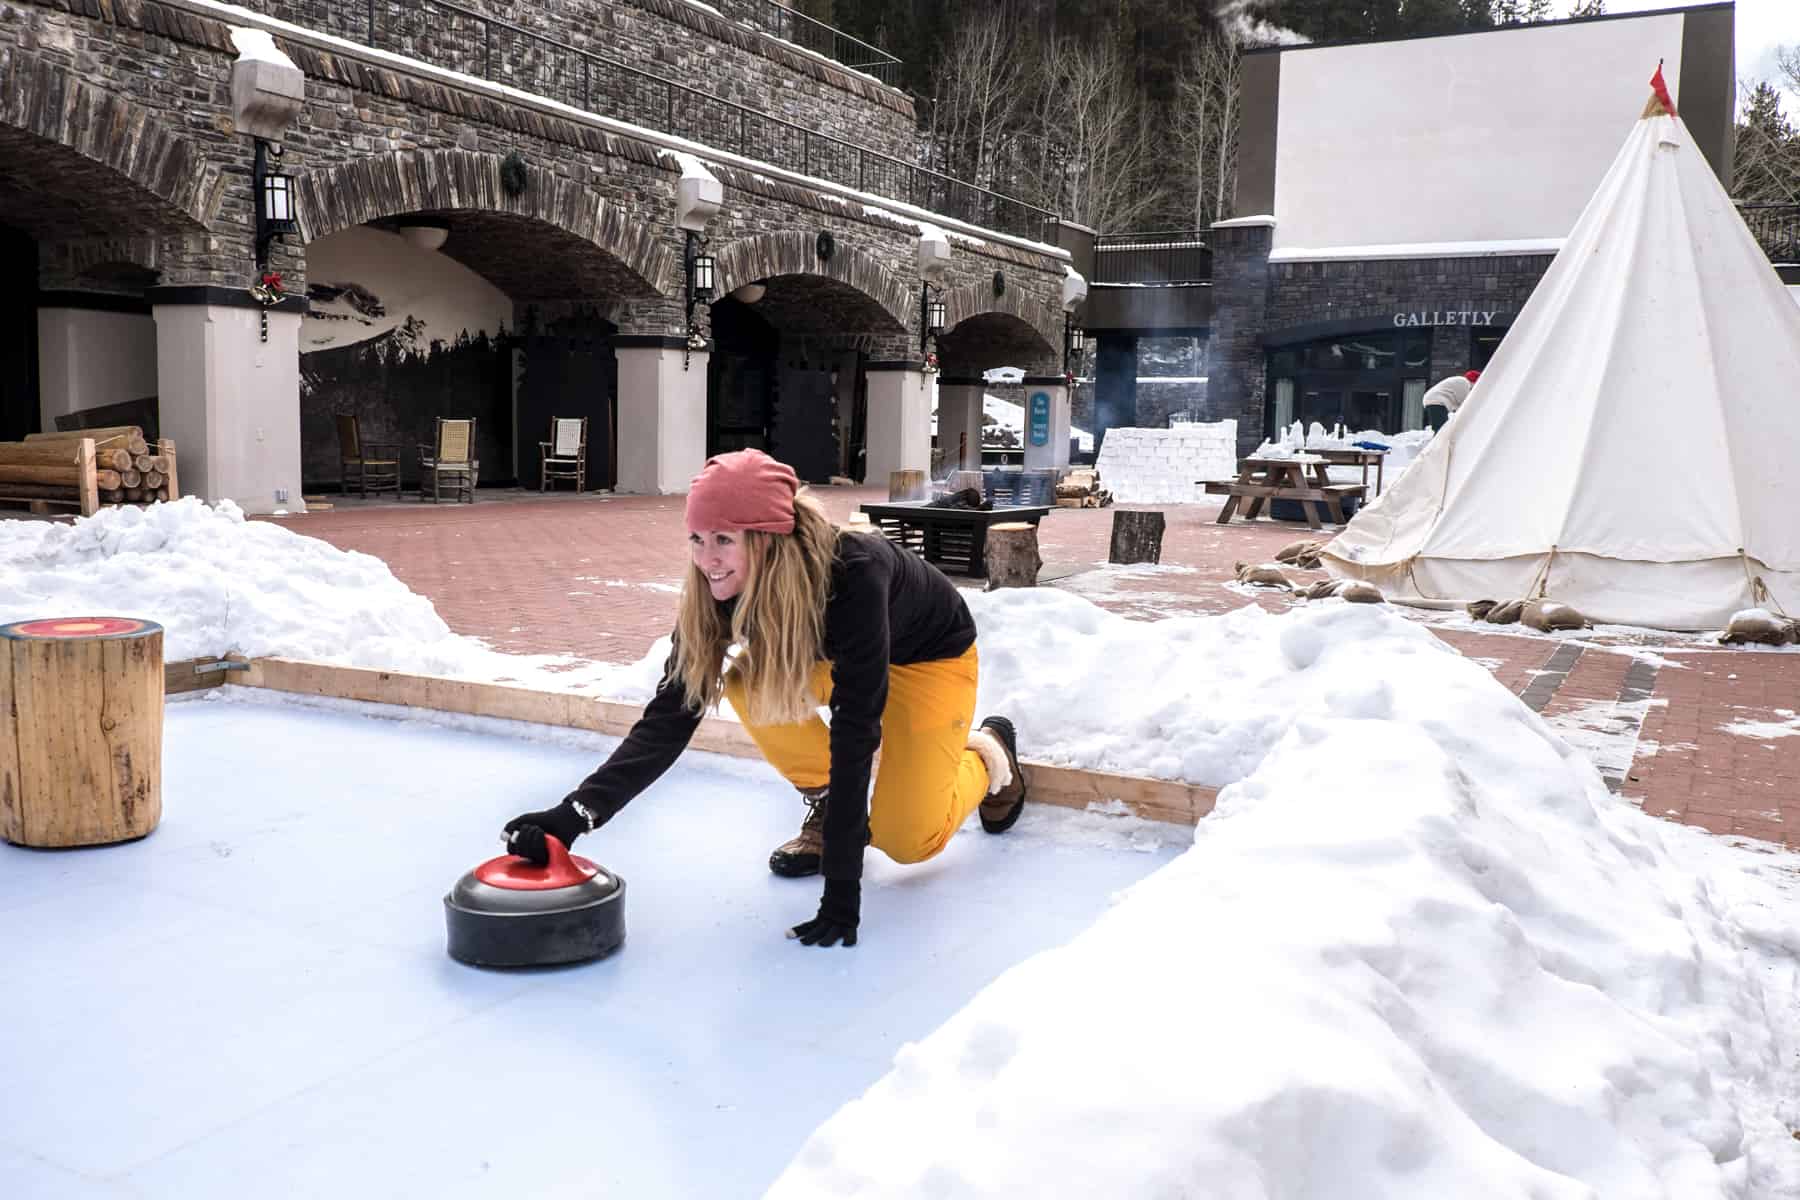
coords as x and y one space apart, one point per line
794 252
978 300
97 136
469 182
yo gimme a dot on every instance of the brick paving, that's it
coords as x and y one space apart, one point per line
1692 731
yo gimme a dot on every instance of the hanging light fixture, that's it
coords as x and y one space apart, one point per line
274 194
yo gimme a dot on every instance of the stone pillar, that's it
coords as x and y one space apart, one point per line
93 351
229 400
1046 410
899 425
1234 386
662 414
1115 384
959 414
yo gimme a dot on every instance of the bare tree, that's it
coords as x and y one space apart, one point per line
1207 104
1097 119
980 91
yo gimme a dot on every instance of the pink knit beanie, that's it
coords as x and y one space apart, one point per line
745 489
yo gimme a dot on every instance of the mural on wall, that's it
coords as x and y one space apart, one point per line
400 336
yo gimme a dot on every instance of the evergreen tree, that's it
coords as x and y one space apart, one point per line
1765 164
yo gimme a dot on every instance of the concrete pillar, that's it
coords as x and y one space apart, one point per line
1046 423
92 356
901 396
662 414
1115 385
959 417
229 400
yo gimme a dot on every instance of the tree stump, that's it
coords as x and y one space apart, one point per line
1136 537
909 485
81 714
1012 555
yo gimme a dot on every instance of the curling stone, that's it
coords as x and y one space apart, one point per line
509 913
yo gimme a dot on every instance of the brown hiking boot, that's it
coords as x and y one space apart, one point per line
1000 809
799 855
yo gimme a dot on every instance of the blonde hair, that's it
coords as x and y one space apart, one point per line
779 622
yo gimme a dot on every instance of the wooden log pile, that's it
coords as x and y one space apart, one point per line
1080 488
49 469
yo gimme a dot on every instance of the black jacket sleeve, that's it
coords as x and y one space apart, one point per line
857 621
651 748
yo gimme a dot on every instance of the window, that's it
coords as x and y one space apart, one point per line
1365 381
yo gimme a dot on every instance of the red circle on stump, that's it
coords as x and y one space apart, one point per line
78 627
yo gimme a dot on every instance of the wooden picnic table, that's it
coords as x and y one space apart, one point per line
1358 457
1302 478
948 538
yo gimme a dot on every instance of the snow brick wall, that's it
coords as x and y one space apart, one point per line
1160 466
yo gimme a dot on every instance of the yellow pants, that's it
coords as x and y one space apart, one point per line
928 781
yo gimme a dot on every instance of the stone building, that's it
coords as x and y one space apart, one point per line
1397 203
497 208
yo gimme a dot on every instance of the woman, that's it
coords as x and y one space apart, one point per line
820 616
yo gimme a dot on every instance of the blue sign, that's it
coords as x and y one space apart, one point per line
1040 418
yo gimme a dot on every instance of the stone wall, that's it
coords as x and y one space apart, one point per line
170 68
673 40
1311 292
1234 352
1162 466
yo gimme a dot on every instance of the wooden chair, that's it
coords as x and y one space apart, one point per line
377 463
450 462
565 454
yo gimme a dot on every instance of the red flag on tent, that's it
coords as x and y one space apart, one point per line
1660 104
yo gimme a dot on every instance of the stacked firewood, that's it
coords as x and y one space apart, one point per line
53 470
1080 488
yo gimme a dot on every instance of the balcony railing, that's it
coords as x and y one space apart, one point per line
459 39
1776 228
802 30
1153 258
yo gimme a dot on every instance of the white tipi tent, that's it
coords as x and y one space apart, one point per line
1633 446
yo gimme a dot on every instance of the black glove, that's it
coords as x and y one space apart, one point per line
525 834
839 913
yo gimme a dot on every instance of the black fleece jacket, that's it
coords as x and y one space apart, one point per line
887 607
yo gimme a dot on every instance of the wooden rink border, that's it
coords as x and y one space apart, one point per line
1068 787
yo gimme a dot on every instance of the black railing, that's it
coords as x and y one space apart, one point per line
459 39
1776 228
1161 257
802 30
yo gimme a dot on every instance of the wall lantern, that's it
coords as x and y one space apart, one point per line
274 193
1074 344
933 314
426 233
699 270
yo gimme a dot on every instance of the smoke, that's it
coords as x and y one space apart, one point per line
1250 30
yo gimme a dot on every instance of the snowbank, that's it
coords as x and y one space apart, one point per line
220 584
1419 952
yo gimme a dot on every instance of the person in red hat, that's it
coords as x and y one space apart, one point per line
1449 393
821 616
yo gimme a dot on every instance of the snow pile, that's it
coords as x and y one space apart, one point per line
1006 417
1419 952
219 584
1166 466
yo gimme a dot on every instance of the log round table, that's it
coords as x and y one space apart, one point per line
81 713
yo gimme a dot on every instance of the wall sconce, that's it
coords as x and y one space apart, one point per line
274 193
427 233
1074 344
932 314
699 271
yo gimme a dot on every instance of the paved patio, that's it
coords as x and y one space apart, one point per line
1694 731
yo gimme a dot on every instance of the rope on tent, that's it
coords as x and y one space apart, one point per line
1760 594
1536 590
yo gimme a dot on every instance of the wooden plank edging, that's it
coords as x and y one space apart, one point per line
1068 787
